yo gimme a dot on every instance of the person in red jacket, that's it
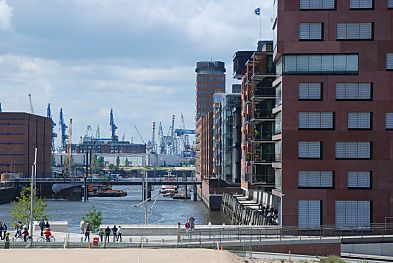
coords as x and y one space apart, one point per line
47 234
25 234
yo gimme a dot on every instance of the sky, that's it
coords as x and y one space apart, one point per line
135 56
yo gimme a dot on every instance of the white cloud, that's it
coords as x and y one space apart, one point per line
6 13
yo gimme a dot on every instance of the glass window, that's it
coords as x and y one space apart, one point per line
321 64
353 31
315 179
309 214
389 61
390 4
359 120
316 120
317 4
361 4
389 120
277 124
353 150
353 91
310 91
310 31
309 150
353 214
359 179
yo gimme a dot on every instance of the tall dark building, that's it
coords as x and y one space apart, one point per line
20 134
334 121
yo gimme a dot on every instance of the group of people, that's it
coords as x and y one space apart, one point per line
270 215
3 230
86 229
116 232
45 229
22 231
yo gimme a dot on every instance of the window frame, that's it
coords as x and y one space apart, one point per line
308 83
312 39
355 39
311 158
386 118
353 158
389 55
308 226
360 188
371 91
319 9
361 129
362 8
316 187
320 123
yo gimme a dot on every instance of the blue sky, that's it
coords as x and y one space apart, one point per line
137 57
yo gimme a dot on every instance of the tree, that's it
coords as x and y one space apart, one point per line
111 167
21 207
94 217
126 162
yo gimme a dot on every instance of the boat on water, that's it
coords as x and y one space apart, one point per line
169 190
105 191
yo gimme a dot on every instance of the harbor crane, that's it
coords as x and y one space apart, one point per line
63 129
54 135
69 150
113 127
140 136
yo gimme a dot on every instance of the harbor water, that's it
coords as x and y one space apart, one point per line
125 210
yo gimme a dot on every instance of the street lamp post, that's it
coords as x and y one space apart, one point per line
32 194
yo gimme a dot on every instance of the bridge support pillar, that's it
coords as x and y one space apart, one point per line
194 192
146 194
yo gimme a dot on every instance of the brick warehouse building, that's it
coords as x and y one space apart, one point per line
20 133
335 141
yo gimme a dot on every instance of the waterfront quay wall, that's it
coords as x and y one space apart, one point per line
8 194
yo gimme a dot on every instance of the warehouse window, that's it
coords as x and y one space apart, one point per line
359 120
359 179
317 4
311 31
309 213
315 179
361 4
353 214
353 91
354 31
309 150
321 64
316 120
389 61
389 120
310 91
353 150
390 4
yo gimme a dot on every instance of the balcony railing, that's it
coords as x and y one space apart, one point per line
264 158
263 136
267 92
263 114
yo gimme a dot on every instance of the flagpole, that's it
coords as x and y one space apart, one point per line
260 27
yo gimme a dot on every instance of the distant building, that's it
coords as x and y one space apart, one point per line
236 88
101 145
20 134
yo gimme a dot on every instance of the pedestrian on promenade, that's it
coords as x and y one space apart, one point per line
82 226
87 231
192 223
1 230
114 231
18 228
42 226
5 228
47 225
119 235
188 226
107 234
101 234
178 232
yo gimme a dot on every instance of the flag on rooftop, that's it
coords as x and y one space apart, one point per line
258 11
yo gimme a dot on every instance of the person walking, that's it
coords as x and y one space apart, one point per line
47 225
107 234
114 231
82 226
101 234
5 228
87 232
1 230
119 234
42 226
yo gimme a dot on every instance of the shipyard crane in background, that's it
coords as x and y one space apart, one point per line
69 150
98 132
140 136
54 135
63 130
114 137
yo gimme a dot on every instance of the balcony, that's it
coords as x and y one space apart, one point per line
264 158
263 136
263 93
261 114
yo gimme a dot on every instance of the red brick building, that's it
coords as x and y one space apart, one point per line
333 129
20 134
